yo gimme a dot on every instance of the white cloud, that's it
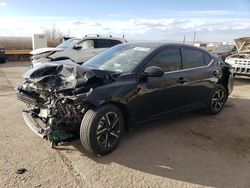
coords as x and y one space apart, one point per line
200 13
2 4
217 29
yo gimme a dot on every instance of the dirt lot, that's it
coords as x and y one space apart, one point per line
188 150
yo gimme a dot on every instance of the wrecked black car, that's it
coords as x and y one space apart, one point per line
122 86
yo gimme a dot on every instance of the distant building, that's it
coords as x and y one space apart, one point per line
201 45
39 41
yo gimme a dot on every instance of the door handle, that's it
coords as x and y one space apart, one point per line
181 80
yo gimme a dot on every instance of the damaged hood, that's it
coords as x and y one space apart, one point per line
66 75
45 50
243 44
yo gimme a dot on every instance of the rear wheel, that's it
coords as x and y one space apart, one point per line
217 100
102 129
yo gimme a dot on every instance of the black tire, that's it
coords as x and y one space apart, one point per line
217 100
109 121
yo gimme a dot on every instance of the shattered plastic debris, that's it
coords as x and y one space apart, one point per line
21 170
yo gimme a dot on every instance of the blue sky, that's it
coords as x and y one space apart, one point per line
212 20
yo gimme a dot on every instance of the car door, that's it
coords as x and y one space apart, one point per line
159 95
197 74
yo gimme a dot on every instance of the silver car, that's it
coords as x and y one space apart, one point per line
78 50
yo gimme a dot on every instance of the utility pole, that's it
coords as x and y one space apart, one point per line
194 37
184 39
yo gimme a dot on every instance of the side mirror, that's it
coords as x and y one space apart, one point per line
154 71
77 47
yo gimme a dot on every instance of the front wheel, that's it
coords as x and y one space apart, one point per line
102 129
217 100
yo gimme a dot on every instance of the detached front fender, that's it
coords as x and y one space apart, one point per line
227 79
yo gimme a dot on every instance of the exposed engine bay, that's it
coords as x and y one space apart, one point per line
56 97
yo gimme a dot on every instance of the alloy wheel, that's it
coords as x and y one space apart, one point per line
108 130
218 100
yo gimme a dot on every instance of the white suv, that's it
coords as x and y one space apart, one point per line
241 60
78 50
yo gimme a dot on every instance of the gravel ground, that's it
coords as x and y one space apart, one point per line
186 150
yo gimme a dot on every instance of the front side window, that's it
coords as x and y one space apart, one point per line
115 42
168 59
87 44
192 58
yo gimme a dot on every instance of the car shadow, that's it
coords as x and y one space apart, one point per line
191 147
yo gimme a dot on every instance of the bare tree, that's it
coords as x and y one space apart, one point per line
54 36
16 43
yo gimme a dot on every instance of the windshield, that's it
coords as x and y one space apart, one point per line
69 43
121 58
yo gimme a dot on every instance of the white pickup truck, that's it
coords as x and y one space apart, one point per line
241 60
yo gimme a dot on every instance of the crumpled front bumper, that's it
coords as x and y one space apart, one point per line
35 125
45 132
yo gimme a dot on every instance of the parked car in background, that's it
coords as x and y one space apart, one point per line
223 51
241 60
2 55
78 50
122 86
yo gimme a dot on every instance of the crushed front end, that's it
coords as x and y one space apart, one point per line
52 114
55 95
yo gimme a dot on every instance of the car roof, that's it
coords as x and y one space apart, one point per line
104 38
156 45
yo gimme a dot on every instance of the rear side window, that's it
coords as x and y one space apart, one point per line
192 58
105 43
169 59
115 42
100 43
207 58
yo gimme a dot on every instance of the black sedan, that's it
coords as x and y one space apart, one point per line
122 86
